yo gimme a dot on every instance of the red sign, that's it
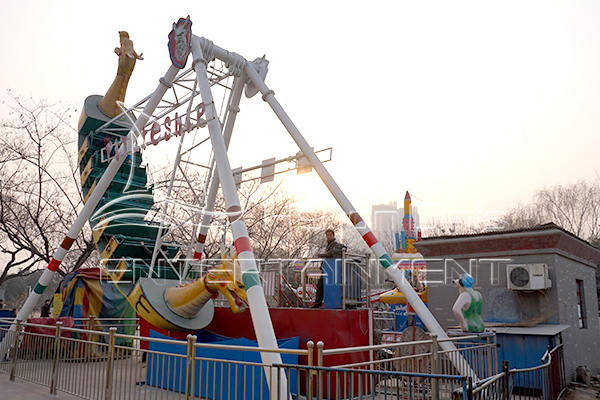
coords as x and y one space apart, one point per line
181 124
179 42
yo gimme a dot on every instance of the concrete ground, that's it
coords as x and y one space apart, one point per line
576 391
24 390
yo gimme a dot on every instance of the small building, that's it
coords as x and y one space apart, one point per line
538 283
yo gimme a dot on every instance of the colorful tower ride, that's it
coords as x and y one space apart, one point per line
411 263
407 257
408 235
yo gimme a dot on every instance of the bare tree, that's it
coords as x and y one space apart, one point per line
276 227
40 193
387 238
575 207
522 215
455 224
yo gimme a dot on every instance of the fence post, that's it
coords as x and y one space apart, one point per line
110 362
343 265
55 359
368 291
309 371
494 354
434 354
17 333
193 369
495 349
547 376
279 281
434 365
470 387
320 346
309 352
191 364
505 382
91 324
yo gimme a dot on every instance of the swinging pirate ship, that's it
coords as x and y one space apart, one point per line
120 206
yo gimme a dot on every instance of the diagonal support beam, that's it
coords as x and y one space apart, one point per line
263 326
232 111
384 259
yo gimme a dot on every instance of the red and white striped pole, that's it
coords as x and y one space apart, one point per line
384 259
263 326
232 111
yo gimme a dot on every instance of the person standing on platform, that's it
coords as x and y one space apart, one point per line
333 250
46 309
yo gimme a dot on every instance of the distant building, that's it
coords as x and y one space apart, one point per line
538 287
386 218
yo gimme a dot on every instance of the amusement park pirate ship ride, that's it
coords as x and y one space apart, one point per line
111 141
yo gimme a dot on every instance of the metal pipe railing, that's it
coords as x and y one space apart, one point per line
93 364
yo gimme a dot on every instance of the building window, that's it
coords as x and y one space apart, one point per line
581 305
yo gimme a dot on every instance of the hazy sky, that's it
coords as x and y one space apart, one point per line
471 106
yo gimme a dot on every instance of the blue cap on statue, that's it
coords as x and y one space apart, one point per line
467 280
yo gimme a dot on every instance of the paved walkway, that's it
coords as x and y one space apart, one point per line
24 390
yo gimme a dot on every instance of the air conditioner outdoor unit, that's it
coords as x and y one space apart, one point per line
528 277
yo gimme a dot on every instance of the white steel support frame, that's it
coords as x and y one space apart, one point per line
209 194
259 312
208 198
232 110
159 241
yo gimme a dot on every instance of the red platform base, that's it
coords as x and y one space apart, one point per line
335 328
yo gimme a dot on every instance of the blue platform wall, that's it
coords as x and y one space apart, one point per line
211 377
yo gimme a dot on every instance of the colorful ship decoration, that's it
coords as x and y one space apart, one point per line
122 223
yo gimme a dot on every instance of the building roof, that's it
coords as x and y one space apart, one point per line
547 236
541 329
541 227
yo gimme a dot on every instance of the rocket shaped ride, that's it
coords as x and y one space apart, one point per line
408 227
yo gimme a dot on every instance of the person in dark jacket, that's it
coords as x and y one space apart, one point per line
46 309
333 250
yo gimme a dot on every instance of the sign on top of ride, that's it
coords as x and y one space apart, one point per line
179 42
